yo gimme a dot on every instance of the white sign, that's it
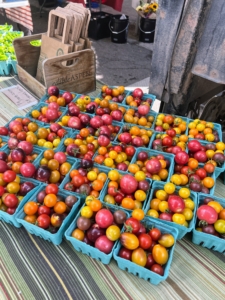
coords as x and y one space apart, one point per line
19 96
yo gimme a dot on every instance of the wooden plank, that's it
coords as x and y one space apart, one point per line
166 28
30 82
210 59
23 48
188 37
78 77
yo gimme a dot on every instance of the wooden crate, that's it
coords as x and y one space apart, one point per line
80 77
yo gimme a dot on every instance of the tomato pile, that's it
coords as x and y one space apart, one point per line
12 191
99 227
49 209
126 191
61 100
139 116
18 154
154 167
53 167
207 153
188 171
169 142
137 98
211 217
148 248
165 122
48 137
86 180
19 128
135 136
82 145
115 94
172 206
202 130
118 156
47 114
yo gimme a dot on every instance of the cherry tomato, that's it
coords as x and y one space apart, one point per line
129 240
86 212
9 176
166 240
178 218
113 233
52 189
155 234
31 219
43 221
50 200
207 213
138 214
30 208
216 205
125 253
145 241
11 201
132 224
78 234
160 254
139 257
219 226
157 269
60 207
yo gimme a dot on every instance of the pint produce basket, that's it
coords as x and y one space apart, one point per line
87 249
55 238
208 240
145 96
216 126
105 192
182 230
11 219
142 272
168 156
76 166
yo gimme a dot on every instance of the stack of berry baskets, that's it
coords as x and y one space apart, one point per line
174 206
209 223
89 239
46 113
124 191
28 187
143 271
50 227
85 179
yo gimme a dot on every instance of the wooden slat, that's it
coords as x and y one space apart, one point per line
210 59
78 77
166 28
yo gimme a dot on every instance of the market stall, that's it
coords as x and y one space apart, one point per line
102 196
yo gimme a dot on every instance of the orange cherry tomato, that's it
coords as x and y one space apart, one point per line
30 208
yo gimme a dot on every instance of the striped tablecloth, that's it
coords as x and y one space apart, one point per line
20 15
32 268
